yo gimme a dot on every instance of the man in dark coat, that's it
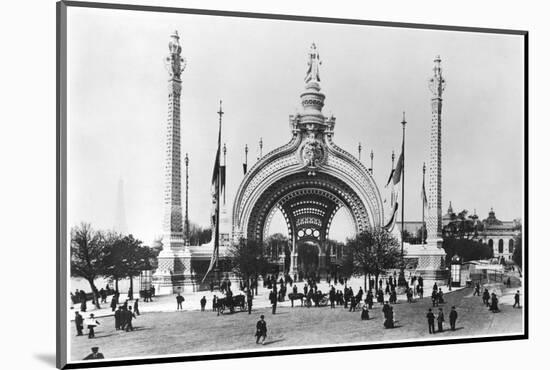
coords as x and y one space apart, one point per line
386 309
516 300
485 297
453 315
365 313
118 318
179 300
369 300
431 321
477 288
494 303
95 355
249 298
273 300
136 306
332 296
79 323
203 303
261 330
129 316
440 320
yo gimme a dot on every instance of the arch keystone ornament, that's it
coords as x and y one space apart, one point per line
308 180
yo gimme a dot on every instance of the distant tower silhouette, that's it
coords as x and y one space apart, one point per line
121 225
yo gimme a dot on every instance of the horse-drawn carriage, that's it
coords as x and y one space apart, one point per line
230 303
319 299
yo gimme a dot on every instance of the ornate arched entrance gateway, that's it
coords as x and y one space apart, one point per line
309 179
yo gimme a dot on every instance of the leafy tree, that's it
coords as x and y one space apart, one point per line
467 249
199 235
462 226
372 252
247 259
275 245
113 267
87 255
127 257
517 255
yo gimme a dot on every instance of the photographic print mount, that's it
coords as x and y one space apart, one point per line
303 184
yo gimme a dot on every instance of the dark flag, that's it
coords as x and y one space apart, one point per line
391 222
215 214
244 168
424 198
398 170
222 182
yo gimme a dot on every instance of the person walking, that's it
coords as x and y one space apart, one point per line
261 330
431 321
516 300
203 303
95 355
249 298
129 316
136 307
118 318
486 296
273 300
494 303
477 289
113 303
364 313
440 320
78 321
91 323
453 315
179 300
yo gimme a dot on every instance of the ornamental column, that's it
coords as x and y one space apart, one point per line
433 225
431 258
174 262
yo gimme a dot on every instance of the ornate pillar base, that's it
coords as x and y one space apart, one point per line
431 262
173 274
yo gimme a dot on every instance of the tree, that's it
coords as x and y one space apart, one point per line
275 245
87 254
199 235
247 259
113 266
462 226
467 249
517 255
127 257
372 252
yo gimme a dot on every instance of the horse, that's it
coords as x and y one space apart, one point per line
296 296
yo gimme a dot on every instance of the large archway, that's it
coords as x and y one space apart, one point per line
308 180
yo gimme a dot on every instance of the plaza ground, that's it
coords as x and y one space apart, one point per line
191 331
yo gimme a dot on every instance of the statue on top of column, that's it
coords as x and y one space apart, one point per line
175 63
313 63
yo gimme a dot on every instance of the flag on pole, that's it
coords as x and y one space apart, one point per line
214 217
391 223
244 168
424 198
398 170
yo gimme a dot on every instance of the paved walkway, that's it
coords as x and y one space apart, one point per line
167 303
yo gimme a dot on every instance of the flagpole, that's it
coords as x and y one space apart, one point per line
423 202
402 272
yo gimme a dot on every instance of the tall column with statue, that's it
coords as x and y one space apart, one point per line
432 262
174 261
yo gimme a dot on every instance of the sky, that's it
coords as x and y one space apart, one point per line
118 105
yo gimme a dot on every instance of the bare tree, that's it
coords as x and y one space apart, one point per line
87 254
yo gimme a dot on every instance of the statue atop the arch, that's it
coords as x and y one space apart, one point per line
313 63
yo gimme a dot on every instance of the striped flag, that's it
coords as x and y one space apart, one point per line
391 223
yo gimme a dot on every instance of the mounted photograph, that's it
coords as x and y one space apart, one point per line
236 184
